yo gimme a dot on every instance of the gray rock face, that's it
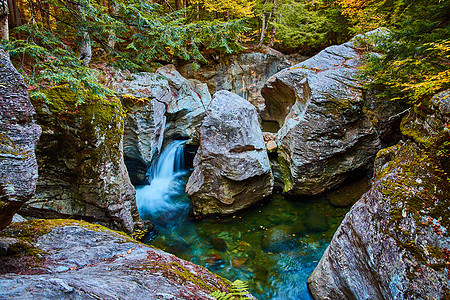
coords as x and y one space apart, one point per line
186 110
80 158
244 74
82 261
145 97
18 136
325 136
394 243
231 168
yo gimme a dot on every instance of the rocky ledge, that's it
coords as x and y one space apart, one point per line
65 259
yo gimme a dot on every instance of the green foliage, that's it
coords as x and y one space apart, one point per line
132 35
300 24
237 291
414 61
47 62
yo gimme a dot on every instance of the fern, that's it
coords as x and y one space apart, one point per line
237 291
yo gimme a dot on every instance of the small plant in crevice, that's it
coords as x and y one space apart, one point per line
237 291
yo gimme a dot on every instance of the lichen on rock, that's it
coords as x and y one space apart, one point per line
91 261
394 243
80 156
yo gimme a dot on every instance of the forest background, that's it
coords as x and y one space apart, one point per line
73 42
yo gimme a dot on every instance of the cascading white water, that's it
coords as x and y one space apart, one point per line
159 199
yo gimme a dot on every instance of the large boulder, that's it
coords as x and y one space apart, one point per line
242 74
231 167
77 260
394 242
80 159
18 136
325 136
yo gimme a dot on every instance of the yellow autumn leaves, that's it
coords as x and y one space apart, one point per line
235 8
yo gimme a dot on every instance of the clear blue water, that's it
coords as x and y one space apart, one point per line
273 247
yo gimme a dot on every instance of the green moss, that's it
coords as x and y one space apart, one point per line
285 173
435 252
176 272
416 185
31 230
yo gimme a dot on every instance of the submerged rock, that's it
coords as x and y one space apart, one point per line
316 221
18 136
394 243
278 238
89 261
80 159
231 167
325 136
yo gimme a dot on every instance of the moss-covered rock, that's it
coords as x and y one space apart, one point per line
80 158
394 243
78 260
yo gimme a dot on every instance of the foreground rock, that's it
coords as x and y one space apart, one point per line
325 136
231 167
77 260
394 243
18 136
80 158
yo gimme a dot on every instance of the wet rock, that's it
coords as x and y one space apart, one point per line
299 227
91 261
326 136
393 244
236 263
80 159
316 221
231 167
242 74
18 136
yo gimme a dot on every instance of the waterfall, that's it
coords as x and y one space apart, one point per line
158 201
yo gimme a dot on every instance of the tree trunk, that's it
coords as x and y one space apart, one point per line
14 19
112 9
263 30
85 48
274 11
4 31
